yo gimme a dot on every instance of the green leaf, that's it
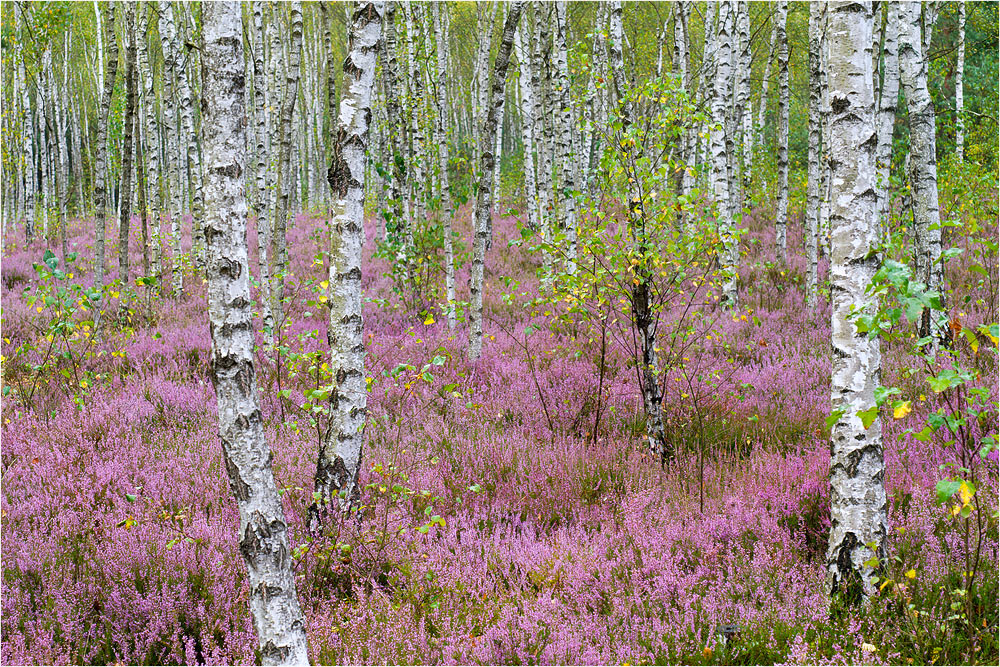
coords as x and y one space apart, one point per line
834 417
868 416
129 497
946 488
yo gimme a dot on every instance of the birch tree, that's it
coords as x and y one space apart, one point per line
440 17
888 99
152 154
283 185
484 200
765 84
340 453
28 132
128 126
817 19
923 153
721 185
960 87
781 217
566 157
857 493
274 605
101 168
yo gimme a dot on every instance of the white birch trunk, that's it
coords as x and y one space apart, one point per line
721 185
960 87
484 201
28 143
817 20
543 138
340 454
526 108
857 492
923 154
128 126
566 156
263 532
101 168
888 99
781 217
440 16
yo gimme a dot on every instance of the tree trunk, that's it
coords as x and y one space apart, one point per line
923 155
399 217
721 185
128 125
888 99
960 88
440 15
28 130
150 147
264 546
283 185
857 492
484 201
543 116
817 21
341 450
781 217
567 196
765 83
101 168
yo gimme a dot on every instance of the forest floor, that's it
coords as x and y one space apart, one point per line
499 527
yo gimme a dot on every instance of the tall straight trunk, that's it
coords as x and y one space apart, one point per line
742 125
101 168
498 150
931 10
484 200
264 544
721 185
28 134
817 20
888 99
150 147
858 520
595 109
960 87
178 56
173 132
706 78
399 217
765 83
781 217
418 153
543 138
260 102
566 156
825 167
140 182
341 451
923 154
440 16
484 29
128 126
682 55
283 185
526 109
644 319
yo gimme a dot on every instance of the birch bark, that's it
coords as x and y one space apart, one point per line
721 185
857 492
566 195
484 201
440 16
340 454
781 218
101 168
888 99
960 87
817 18
128 126
263 532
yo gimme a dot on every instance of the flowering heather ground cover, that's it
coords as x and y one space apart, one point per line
548 543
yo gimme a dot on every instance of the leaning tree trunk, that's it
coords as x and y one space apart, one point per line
857 491
960 88
923 160
888 99
128 126
721 185
340 453
781 217
817 20
274 606
484 200
282 184
440 16
101 168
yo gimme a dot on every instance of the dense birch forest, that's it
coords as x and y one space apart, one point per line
499 332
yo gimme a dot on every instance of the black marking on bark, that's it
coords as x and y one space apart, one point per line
274 655
233 170
240 489
229 268
839 104
339 174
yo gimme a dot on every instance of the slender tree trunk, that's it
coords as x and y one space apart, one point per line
484 201
440 15
543 115
888 99
140 182
101 168
825 167
341 451
128 125
960 88
642 292
817 19
568 200
263 532
151 145
28 133
399 188
923 154
781 218
857 491
721 185
283 185
765 83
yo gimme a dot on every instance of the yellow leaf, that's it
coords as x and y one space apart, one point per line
430 320
325 284
901 410
911 574
965 493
